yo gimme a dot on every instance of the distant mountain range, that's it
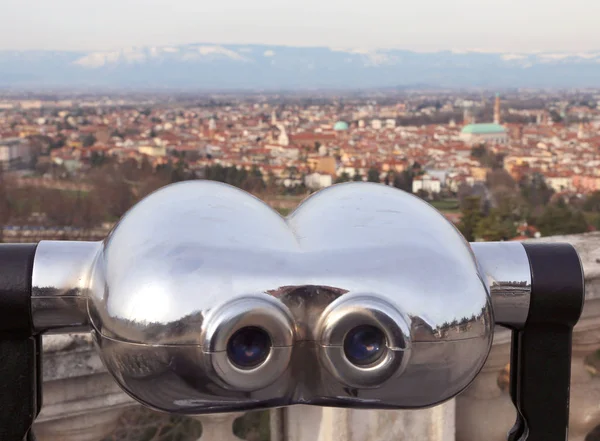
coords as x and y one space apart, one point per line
210 66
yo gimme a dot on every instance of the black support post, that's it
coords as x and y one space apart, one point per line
541 350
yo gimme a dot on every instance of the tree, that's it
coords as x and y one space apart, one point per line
58 142
510 205
270 183
558 218
535 191
478 190
471 215
88 211
423 194
40 143
500 179
344 177
88 140
42 167
487 158
373 175
357 177
97 159
113 188
179 172
389 178
292 172
495 227
117 134
254 182
555 116
59 207
592 202
478 151
404 180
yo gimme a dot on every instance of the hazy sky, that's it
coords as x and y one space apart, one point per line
490 25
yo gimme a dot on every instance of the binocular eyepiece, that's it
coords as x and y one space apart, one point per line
203 299
249 347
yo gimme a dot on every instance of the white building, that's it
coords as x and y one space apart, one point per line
285 152
442 175
152 150
14 153
213 150
426 183
283 138
314 181
559 183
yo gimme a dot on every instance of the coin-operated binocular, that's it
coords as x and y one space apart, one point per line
203 299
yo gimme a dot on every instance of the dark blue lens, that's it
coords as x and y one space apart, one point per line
249 347
364 345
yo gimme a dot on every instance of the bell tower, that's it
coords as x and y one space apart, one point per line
497 110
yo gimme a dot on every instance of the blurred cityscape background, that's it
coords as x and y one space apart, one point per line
507 165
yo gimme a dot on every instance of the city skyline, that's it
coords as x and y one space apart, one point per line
82 161
432 25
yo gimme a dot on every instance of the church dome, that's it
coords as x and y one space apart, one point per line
340 125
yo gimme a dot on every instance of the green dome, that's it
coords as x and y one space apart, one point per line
483 129
340 125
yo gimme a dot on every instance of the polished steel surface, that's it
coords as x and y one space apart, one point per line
60 282
508 274
194 261
258 310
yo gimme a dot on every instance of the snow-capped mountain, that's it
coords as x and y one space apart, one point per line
211 66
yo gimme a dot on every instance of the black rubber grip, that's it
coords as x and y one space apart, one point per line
16 268
557 284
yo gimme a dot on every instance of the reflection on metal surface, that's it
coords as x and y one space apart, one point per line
506 267
350 312
59 285
193 263
260 311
